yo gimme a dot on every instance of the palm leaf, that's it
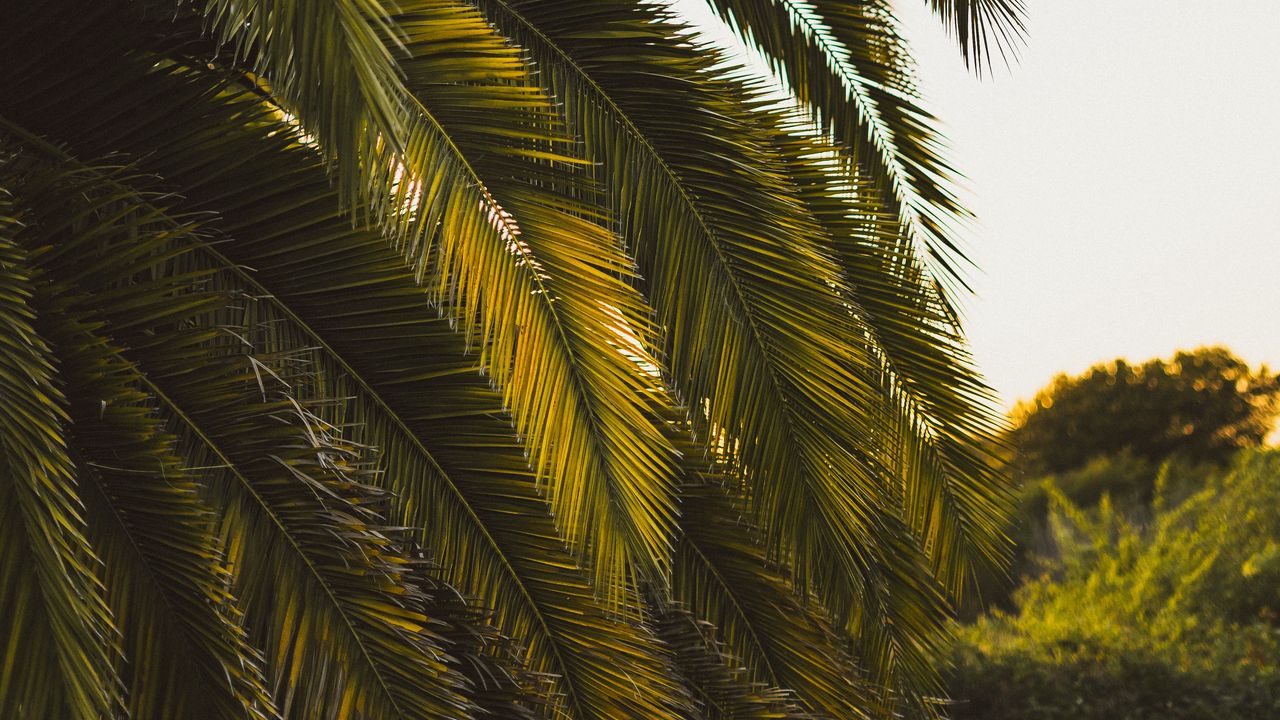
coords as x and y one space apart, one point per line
153 533
330 573
503 239
845 64
186 648
722 687
791 384
447 451
426 334
723 578
979 24
60 643
955 497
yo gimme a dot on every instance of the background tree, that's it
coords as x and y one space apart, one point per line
1204 404
1110 432
479 358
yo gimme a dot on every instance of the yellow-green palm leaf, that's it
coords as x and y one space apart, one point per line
479 358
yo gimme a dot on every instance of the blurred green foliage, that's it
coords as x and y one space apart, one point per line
1127 482
1109 430
1173 617
1203 405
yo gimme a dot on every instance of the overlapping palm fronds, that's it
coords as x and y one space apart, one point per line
478 358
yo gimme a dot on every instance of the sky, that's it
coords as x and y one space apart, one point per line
1125 173
1126 176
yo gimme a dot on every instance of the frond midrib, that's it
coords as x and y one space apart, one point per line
733 597
724 267
231 467
416 443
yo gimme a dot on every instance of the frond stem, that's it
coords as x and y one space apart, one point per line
244 481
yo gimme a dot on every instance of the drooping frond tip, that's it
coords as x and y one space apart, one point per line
981 25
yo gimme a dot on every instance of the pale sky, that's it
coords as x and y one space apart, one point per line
1126 177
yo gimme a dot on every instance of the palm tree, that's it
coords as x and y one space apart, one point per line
480 358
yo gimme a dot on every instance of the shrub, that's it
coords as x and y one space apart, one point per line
1177 619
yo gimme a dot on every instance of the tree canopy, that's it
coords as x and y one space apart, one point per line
1203 404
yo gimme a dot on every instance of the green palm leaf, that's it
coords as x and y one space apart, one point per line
944 415
723 688
60 643
185 644
161 563
331 574
955 498
385 345
539 278
458 473
724 579
792 385
845 66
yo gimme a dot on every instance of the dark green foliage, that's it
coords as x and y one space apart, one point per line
1204 404
1082 683
1127 479
1128 484
1107 433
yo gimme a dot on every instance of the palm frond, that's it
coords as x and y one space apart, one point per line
185 646
335 573
60 642
844 64
956 498
328 599
723 688
497 678
488 210
723 578
978 25
447 449
791 386
183 642
395 336
332 63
